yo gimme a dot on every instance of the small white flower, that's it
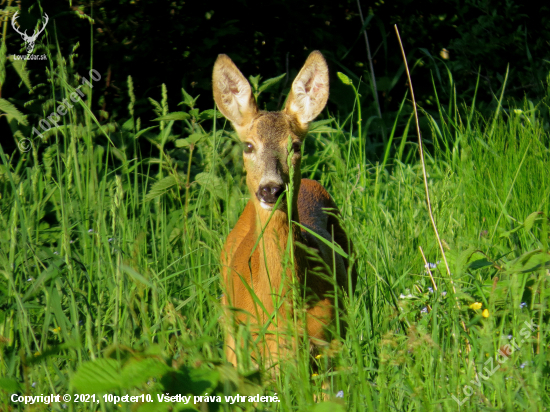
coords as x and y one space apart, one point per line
432 265
444 293
90 230
510 336
340 394
56 253
522 305
523 365
430 290
424 310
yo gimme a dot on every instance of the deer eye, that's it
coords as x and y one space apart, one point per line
248 148
296 146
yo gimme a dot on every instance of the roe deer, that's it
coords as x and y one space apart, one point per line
254 276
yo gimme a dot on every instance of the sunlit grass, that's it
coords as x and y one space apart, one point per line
109 262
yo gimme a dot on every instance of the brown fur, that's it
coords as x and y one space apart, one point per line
256 274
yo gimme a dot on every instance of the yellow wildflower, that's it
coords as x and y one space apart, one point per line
476 305
313 375
485 313
319 356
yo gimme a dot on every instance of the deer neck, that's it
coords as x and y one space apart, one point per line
274 249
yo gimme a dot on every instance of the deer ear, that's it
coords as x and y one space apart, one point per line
232 92
309 93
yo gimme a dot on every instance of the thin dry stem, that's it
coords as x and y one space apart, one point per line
421 150
427 267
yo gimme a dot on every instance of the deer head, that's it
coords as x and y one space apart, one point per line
29 40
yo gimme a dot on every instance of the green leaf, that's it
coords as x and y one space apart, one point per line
530 220
128 125
345 79
101 375
135 275
164 135
51 272
161 187
192 139
211 182
187 99
173 116
270 82
529 262
20 67
12 112
209 114
138 134
9 385
255 81
334 246
479 263
137 371
458 260
203 379
321 127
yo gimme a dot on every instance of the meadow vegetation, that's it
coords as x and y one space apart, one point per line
111 234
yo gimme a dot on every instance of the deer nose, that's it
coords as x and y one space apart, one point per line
269 193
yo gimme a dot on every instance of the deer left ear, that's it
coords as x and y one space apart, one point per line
309 93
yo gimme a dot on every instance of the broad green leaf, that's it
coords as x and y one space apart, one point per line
9 385
161 187
128 124
137 371
203 379
212 183
458 260
192 139
101 375
270 82
173 116
529 262
12 111
479 263
209 114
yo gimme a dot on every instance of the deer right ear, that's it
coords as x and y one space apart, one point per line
232 92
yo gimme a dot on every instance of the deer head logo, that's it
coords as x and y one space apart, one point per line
29 40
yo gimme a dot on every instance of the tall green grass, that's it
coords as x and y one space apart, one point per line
110 237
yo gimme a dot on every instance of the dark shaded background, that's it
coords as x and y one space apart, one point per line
176 43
